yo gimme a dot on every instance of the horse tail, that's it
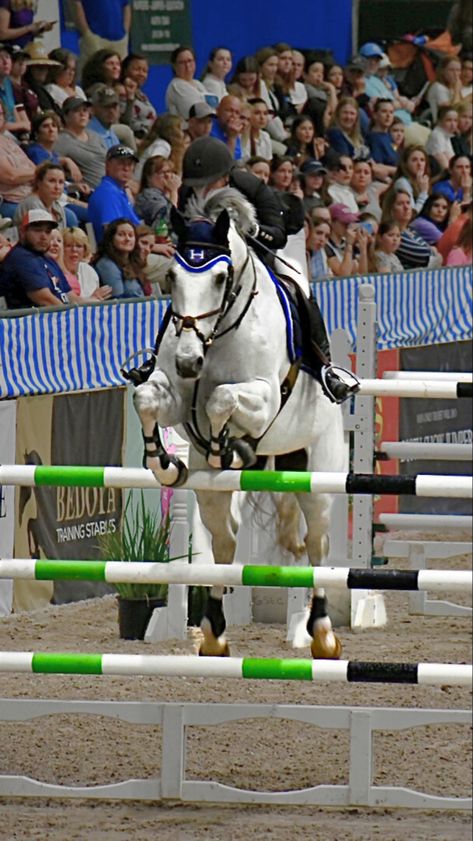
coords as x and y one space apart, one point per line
288 524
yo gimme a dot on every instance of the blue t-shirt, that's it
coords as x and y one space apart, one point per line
112 275
8 99
107 135
38 154
218 132
108 202
105 18
382 149
446 188
24 270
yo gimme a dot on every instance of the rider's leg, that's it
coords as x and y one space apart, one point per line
334 386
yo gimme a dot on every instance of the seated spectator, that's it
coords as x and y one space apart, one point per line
216 71
81 276
166 138
184 91
16 170
246 81
259 167
413 175
414 252
76 141
61 82
439 144
48 188
158 193
111 200
291 94
200 120
23 94
318 241
461 253
17 24
438 212
312 177
344 133
380 141
227 125
366 193
463 141
103 67
302 144
398 135
113 260
258 142
447 89
388 240
449 238
282 174
38 66
140 113
335 77
466 75
316 86
340 169
347 249
15 114
267 59
105 113
457 187
376 67
319 213
28 277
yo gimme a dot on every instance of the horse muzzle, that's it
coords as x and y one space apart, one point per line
189 367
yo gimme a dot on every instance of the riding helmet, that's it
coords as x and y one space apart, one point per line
206 160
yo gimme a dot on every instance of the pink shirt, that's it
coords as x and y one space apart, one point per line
458 257
12 157
73 282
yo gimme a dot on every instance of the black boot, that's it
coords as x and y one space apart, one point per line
331 379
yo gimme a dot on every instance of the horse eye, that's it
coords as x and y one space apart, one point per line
220 278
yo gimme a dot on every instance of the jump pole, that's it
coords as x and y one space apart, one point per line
234 575
243 668
275 481
433 389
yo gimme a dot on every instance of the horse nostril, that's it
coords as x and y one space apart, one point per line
189 368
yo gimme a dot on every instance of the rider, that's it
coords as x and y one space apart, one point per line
207 168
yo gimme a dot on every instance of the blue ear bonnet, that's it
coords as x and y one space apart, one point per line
201 245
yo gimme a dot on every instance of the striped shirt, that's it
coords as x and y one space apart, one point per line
413 252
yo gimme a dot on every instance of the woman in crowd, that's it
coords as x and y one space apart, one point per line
439 143
365 192
184 90
447 89
218 67
335 77
140 113
347 249
267 59
385 157
103 66
48 188
21 91
258 141
397 133
344 134
339 190
61 81
38 66
302 143
291 94
388 240
463 141
246 81
260 167
438 212
158 192
413 175
82 277
316 86
166 138
458 185
16 171
318 238
312 180
17 24
461 253
414 252
113 264
282 174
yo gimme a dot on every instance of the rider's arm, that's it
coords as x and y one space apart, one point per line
269 211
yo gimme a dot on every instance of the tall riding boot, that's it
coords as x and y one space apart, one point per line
336 389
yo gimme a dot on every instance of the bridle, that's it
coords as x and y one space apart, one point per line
231 292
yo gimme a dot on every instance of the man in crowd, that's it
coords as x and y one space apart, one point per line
85 147
28 277
227 126
105 112
199 123
111 199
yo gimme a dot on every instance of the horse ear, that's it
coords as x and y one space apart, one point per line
221 228
178 224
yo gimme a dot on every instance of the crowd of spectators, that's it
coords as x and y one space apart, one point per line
89 171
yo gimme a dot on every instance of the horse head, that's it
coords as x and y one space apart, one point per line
201 280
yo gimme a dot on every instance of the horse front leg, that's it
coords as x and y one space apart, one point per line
325 643
157 404
250 408
215 511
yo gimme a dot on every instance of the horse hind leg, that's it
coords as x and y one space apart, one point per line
325 643
215 511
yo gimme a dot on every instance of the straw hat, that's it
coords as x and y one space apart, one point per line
38 56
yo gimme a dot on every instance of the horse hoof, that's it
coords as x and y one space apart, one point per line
326 646
214 648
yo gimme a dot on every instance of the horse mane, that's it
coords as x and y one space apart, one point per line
240 210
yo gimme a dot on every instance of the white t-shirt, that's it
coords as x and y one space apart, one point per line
88 278
157 147
437 95
215 86
439 142
343 195
180 95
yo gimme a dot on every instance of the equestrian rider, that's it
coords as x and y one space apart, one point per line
208 167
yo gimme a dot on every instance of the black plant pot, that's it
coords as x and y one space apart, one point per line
134 615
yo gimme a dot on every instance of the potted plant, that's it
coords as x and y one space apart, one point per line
143 537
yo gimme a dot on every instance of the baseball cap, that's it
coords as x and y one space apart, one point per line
38 217
201 110
342 213
120 151
6 48
356 63
313 167
104 95
72 103
371 50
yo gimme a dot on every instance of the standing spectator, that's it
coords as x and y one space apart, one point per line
447 89
413 175
457 187
414 252
105 112
218 67
103 24
184 90
388 240
439 145
380 141
113 264
344 135
15 114
199 123
62 77
141 113
16 171
17 25
463 141
104 67
111 199
227 126
340 169
76 141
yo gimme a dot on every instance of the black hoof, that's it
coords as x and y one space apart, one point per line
318 610
214 614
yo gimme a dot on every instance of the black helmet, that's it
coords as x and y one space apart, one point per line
206 159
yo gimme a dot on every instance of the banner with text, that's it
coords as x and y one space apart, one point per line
159 26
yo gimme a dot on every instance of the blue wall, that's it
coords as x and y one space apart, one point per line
246 26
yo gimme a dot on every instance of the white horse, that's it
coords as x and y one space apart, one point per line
225 378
